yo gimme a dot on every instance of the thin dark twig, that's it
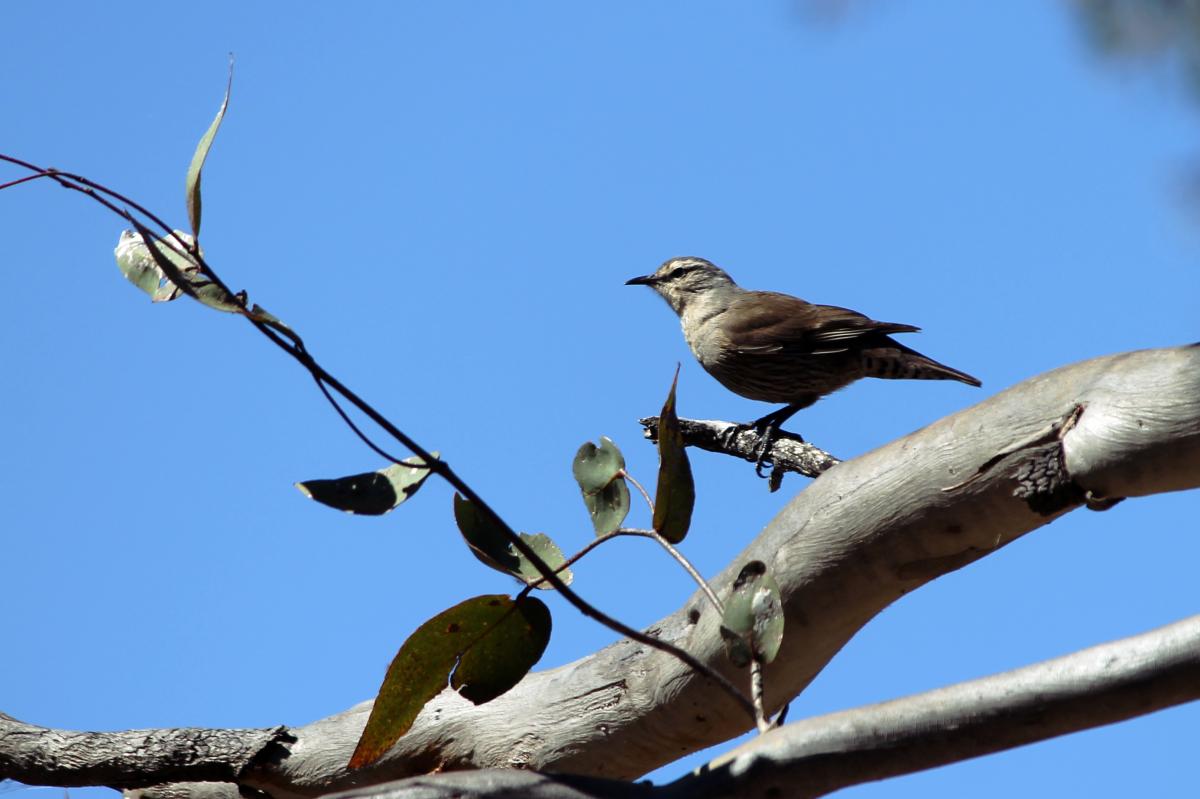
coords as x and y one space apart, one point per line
439 467
337 406
84 185
442 469
25 179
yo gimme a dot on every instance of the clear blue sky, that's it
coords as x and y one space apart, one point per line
445 199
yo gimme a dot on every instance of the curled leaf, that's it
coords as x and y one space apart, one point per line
598 470
498 660
181 272
192 182
370 493
752 625
675 494
491 546
140 267
482 647
595 467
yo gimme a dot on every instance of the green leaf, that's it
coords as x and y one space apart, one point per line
675 494
493 640
598 470
259 314
550 554
752 625
500 659
736 648
192 183
186 278
370 493
491 546
485 538
608 507
140 267
595 467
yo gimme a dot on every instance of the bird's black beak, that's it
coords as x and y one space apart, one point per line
644 280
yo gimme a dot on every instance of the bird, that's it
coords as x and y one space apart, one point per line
777 348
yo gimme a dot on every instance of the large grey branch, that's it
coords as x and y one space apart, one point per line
860 536
502 784
817 756
1097 686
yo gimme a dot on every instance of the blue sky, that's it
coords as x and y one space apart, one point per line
445 200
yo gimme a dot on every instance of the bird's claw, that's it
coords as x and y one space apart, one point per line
766 429
761 460
729 437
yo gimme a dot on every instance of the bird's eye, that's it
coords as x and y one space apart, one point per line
678 271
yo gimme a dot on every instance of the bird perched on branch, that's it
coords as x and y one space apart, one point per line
777 348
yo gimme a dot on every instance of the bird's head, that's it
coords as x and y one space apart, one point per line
681 281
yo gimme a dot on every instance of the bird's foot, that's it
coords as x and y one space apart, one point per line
767 428
729 441
767 431
729 437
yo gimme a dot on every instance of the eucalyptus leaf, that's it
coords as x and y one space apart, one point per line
370 493
499 659
488 542
482 646
181 270
753 615
736 647
599 472
608 507
675 494
595 467
141 268
192 182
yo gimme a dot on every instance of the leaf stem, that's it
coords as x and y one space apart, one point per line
638 486
682 560
756 692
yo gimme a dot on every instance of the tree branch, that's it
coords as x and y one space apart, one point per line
787 452
1097 686
131 759
817 756
860 536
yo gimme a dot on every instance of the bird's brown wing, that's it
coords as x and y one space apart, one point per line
763 323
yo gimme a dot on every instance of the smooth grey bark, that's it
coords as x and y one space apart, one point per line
1096 686
860 536
817 756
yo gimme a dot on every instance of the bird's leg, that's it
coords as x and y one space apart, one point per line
766 427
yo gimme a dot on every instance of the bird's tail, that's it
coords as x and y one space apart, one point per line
898 362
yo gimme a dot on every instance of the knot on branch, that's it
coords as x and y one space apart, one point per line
1043 481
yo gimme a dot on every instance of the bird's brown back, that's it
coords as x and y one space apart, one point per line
777 348
768 322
